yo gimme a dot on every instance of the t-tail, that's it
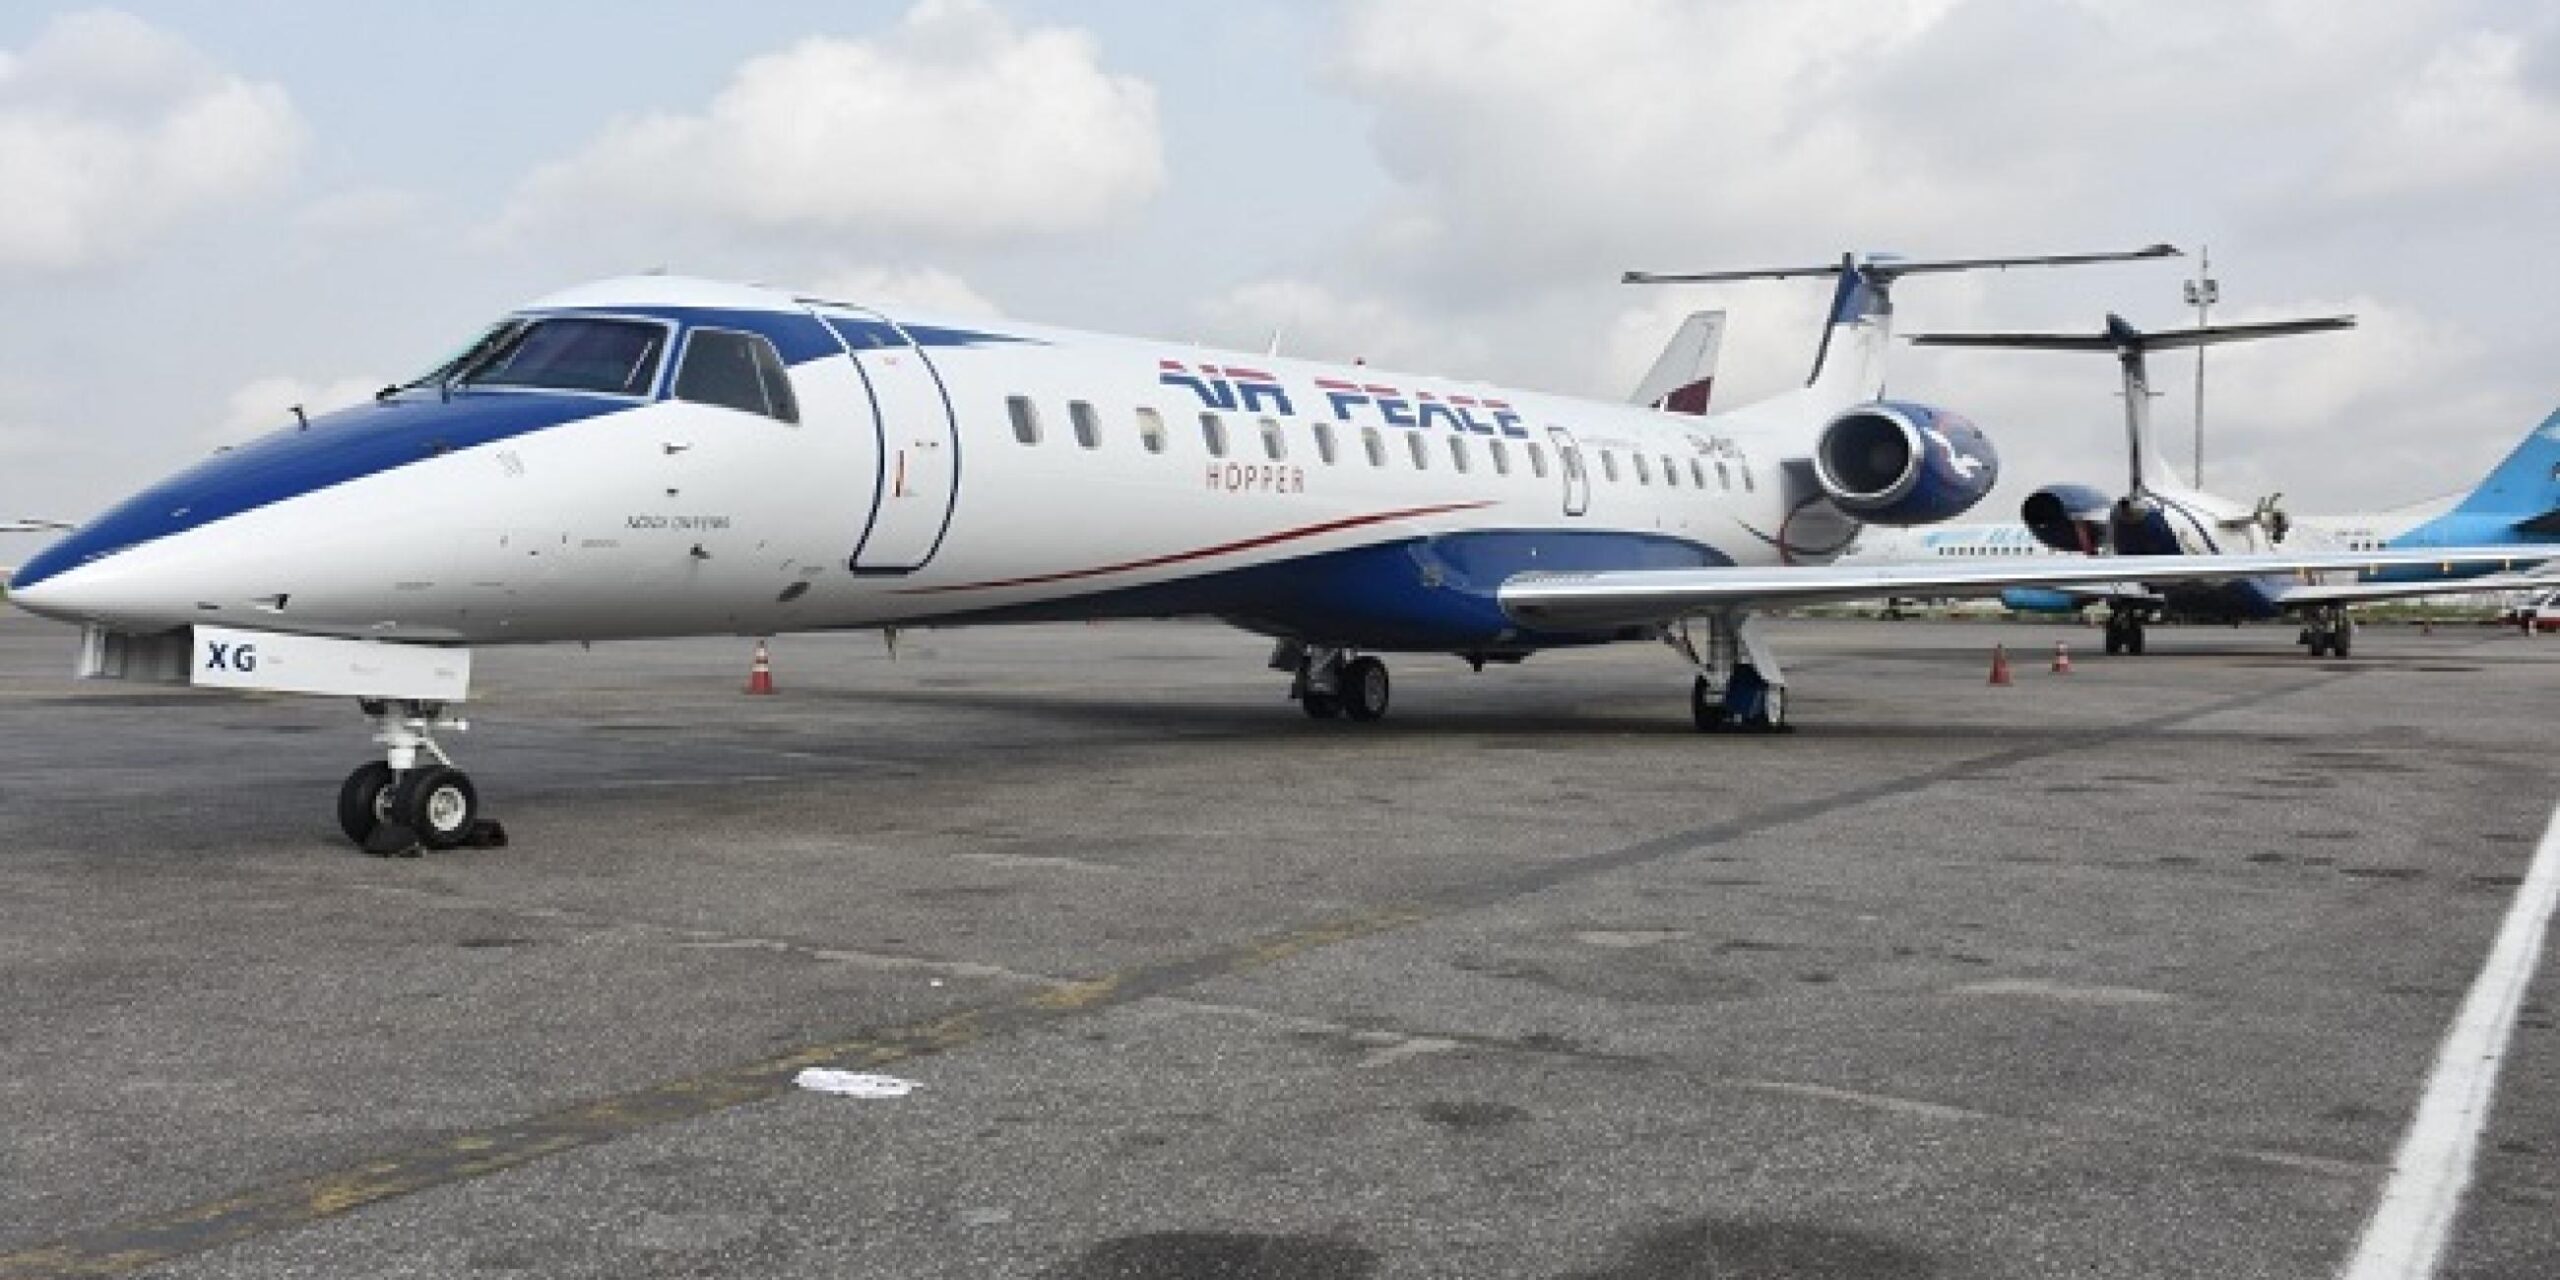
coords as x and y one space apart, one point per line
1849 364
2147 470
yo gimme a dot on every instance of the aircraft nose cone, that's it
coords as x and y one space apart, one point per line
71 595
47 597
135 591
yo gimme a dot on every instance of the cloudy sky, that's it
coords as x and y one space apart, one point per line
211 210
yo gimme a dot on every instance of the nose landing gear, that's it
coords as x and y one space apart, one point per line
395 807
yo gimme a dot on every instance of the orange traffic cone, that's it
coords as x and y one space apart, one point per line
1999 664
2061 658
760 671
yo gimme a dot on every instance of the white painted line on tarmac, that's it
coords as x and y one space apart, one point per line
2405 1238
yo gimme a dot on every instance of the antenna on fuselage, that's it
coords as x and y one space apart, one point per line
2130 345
1865 289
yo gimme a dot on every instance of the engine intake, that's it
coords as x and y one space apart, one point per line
2069 517
1896 463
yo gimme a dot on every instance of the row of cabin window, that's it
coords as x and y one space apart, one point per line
1087 426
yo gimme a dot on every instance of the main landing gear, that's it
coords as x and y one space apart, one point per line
2328 632
398 806
1738 683
1333 683
2124 631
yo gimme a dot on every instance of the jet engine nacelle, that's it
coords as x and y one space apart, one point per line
2069 517
1895 463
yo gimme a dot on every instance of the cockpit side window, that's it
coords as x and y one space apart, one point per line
490 340
619 357
736 371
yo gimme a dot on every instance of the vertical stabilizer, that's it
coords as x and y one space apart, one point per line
1683 377
2525 488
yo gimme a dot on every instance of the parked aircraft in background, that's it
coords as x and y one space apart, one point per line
1683 377
2159 518
657 456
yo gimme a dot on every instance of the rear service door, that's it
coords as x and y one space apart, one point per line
918 478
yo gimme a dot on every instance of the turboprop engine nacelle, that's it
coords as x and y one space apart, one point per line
1896 463
2069 517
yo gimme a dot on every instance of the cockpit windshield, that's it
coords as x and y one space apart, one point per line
563 353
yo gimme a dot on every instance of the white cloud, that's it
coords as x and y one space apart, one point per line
360 212
1316 322
956 125
2466 120
113 131
266 404
928 287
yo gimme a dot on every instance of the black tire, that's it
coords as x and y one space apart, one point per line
440 805
2133 641
2115 641
1706 707
1320 706
363 804
2340 644
1364 689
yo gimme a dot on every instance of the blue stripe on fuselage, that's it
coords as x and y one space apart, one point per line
1435 594
338 447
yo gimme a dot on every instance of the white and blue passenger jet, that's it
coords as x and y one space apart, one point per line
656 456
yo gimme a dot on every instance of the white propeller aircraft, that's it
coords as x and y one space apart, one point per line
657 456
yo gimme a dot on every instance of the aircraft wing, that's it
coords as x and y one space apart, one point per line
2543 579
1632 597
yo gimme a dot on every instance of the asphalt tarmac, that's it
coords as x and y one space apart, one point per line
2137 971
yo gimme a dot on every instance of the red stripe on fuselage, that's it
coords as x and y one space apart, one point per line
1223 548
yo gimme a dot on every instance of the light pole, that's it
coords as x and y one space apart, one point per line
2202 293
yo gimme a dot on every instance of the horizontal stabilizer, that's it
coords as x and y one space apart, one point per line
1886 268
2119 336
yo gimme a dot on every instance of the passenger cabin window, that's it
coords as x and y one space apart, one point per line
1747 485
1724 475
1324 442
1644 469
1420 449
1151 430
1501 457
1609 465
1374 446
1274 445
619 357
1026 418
1458 453
1537 460
735 371
1670 471
1698 472
1213 430
1087 424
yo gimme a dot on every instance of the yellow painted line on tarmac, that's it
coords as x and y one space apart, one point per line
150 1240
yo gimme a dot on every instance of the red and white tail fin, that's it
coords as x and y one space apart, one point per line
1683 377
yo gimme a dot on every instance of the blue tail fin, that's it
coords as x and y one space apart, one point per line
2524 489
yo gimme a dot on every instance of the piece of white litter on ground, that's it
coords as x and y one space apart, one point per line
853 1084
